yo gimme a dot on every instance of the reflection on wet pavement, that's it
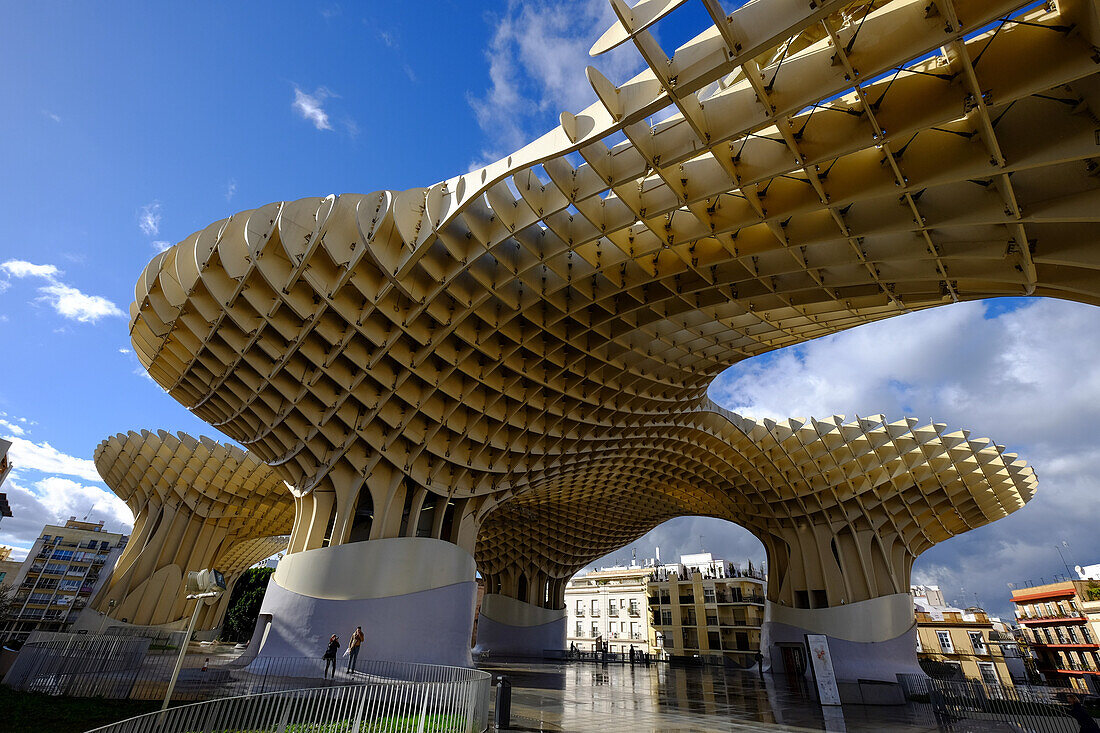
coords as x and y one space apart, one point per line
619 698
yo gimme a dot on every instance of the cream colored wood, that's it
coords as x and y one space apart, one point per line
523 352
197 504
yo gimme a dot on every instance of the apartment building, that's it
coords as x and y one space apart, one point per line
5 462
608 606
707 609
64 568
967 639
8 568
1061 625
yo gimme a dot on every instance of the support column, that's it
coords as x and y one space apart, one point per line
518 620
853 587
414 595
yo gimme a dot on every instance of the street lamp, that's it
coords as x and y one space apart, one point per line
201 585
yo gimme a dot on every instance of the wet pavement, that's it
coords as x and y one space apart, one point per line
575 696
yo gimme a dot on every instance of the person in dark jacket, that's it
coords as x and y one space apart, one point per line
330 654
1077 710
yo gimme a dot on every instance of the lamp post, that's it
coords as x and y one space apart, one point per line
201 585
106 614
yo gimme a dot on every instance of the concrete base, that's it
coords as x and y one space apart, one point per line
413 596
869 640
510 628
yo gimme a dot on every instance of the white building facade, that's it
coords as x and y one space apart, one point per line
608 606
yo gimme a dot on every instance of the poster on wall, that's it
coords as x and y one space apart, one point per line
822 665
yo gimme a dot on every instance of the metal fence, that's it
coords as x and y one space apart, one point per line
456 705
1030 708
127 667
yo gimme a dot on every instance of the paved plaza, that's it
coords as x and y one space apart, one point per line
615 698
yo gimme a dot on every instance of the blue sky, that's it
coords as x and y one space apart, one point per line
125 127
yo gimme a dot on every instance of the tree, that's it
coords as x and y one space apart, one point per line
244 604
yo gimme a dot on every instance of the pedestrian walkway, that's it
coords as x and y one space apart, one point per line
624 699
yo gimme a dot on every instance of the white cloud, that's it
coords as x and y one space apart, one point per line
27 455
388 38
78 306
537 58
52 115
125 351
64 496
309 107
22 268
230 189
52 500
1025 378
66 300
160 245
149 219
12 428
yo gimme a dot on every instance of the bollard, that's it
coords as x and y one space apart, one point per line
503 718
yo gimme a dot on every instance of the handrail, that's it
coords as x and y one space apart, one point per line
455 706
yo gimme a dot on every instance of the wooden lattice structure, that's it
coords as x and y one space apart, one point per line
517 359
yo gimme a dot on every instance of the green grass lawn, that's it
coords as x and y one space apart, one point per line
25 712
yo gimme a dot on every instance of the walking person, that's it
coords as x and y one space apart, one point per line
353 647
759 664
330 654
1077 710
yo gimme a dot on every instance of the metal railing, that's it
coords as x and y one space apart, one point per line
138 668
456 705
1031 708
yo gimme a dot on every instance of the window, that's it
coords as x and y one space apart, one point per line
708 596
633 604
580 628
1061 634
595 629
1072 635
1086 635
945 642
666 617
977 642
989 673
595 607
580 607
612 607
1049 638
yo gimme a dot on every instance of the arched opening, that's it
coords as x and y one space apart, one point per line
693 587
426 520
521 587
363 518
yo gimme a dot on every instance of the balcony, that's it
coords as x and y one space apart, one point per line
687 600
634 611
1069 668
595 613
1066 645
613 612
580 612
1061 618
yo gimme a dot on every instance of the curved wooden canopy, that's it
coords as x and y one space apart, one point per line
532 342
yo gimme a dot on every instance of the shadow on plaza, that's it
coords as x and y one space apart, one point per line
567 696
